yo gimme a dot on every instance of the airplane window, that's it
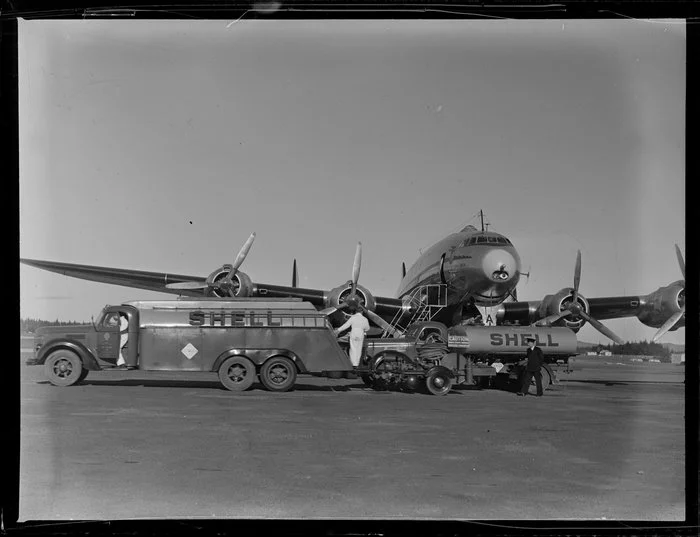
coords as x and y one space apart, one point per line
481 240
492 239
501 240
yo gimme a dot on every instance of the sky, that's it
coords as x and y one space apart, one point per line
161 145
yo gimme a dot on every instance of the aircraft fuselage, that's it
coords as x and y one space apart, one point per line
479 265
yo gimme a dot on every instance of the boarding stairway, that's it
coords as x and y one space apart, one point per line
424 302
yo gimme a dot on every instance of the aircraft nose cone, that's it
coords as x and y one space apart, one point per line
499 265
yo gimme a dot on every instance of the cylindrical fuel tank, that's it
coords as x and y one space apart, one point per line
511 339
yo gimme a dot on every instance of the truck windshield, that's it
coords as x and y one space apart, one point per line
110 320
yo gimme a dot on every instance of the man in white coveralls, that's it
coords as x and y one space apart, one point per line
123 326
358 325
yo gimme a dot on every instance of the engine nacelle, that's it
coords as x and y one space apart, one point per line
338 295
558 302
655 308
242 284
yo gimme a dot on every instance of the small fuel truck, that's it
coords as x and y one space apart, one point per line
433 357
240 339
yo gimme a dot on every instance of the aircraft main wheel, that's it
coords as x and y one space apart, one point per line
237 373
63 368
278 374
438 383
546 381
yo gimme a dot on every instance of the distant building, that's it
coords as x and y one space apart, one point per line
592 353
636 360
605 353
678 358
655 360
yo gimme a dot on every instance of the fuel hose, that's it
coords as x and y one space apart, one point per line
431 351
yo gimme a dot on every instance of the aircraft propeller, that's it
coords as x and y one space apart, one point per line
353 300
673 319
225 284
574 308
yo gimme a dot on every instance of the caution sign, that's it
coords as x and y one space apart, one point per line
454 340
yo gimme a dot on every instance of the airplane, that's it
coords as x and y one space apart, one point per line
476 268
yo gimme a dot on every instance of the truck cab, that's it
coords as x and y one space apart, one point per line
97 345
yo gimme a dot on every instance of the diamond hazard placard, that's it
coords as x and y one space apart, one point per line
189 351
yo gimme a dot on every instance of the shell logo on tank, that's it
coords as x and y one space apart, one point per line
518 340
254 318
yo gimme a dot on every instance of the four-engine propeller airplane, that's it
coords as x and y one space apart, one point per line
476 268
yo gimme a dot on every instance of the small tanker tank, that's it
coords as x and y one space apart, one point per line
511 340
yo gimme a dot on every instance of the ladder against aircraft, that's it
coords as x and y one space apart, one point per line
426 301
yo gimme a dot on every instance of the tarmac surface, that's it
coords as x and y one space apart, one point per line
607 442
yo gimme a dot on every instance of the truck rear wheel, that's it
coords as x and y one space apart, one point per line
278 374
237 373
63 368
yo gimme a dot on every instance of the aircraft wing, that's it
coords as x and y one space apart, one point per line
663 309
161 282
139 279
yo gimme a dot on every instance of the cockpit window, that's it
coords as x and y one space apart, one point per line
481 240
492 239
501 240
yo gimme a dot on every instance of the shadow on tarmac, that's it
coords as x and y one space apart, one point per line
605 382
215 385
159 383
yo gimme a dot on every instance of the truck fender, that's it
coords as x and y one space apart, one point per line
442 369
378 358
89 361
259 357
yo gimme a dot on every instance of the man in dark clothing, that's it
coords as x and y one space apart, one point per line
534 358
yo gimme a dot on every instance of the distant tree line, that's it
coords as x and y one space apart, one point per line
643 348
30 325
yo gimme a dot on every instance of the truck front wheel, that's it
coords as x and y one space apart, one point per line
438 382
278 374
237 373
63 368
